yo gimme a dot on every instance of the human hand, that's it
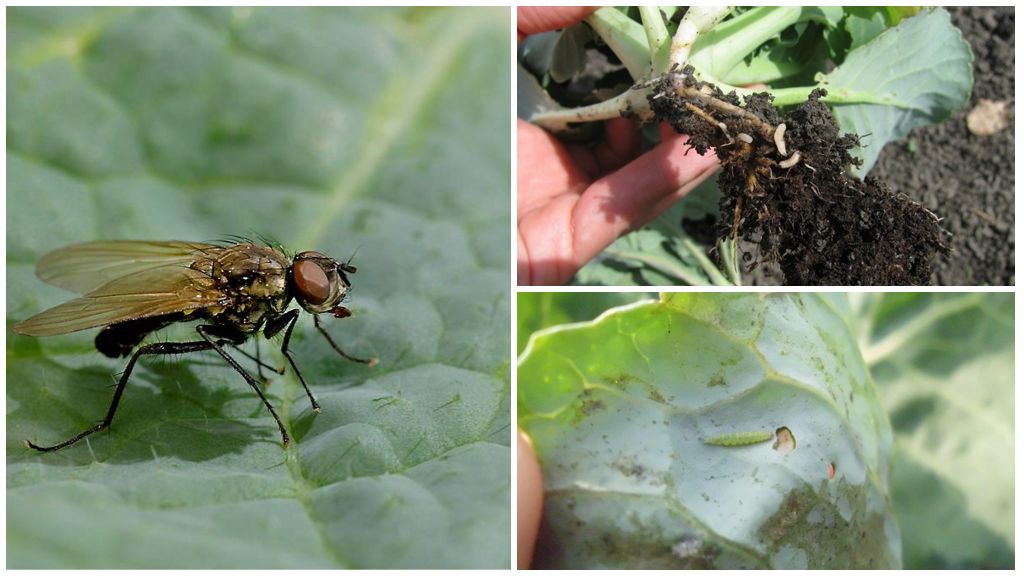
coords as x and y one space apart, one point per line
530 497
573 201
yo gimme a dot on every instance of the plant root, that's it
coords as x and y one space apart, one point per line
820 224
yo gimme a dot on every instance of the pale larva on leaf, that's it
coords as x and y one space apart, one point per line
740 438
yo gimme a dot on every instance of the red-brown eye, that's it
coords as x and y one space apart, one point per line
312 282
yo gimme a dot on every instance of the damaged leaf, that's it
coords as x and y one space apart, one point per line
620 410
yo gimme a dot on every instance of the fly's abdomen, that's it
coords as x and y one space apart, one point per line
118 340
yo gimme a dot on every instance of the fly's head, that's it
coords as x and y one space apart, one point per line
320 283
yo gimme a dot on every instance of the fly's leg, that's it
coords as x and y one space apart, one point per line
206 332
371 362
286 322
260 365
155 349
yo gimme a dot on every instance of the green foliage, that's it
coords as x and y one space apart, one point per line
926 77
562 53
343 130
945 365
663 253
642 421
538 310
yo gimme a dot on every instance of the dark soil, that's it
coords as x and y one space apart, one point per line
820 225
965 178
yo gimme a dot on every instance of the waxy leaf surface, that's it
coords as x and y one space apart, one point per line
377 134
649 423
944 365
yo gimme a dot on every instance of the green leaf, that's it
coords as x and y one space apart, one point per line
718 51
864 23
625 37
661 254
354 132
531 98
918 73
645 257
537 310
562 53
621 411
945 366
897 13
570 52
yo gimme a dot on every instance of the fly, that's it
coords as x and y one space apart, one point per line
133 288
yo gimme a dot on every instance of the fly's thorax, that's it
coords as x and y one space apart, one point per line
247 271
254 280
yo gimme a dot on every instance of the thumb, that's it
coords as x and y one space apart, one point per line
534 19
530 497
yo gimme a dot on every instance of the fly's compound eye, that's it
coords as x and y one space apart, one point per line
312 282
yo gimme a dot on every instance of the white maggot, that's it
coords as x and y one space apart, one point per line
791 161
744 138
780 142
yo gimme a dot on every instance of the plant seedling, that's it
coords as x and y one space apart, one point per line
790 176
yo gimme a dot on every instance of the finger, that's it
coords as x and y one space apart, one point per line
522 261
529 501
544 170
670 200
534 19
620 145
546 252
627 198
666 131
583 157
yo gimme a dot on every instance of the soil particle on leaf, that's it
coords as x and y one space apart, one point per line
832 541
796 198
587 405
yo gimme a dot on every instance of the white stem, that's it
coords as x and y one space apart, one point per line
633 101
658 41
697 19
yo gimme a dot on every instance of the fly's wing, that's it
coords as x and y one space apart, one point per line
145 294
86 267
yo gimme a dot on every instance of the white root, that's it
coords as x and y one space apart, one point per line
744 138
791 161
780 141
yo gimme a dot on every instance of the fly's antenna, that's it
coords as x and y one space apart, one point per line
347 266
353 256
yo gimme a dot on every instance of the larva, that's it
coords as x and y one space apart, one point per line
791 161
740 438
780 140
